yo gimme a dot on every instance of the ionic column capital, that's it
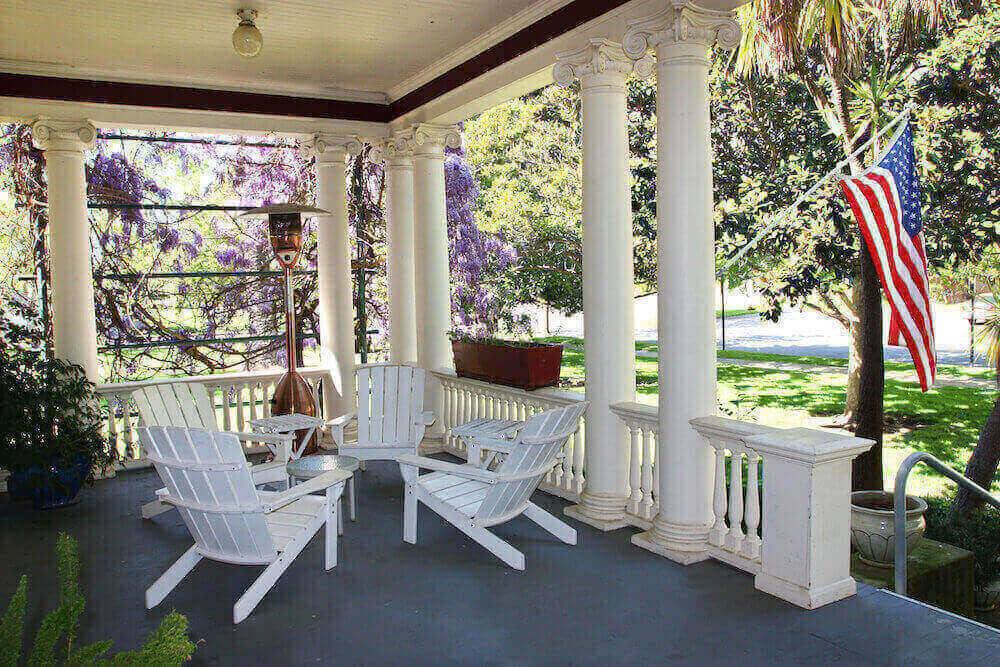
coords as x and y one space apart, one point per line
429 140
599 63
330 148
395 150
683 24
53 134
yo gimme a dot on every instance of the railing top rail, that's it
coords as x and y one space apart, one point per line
639 411
899 505
211 378
729 428
549 395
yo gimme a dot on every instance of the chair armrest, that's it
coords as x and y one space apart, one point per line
342 420
459 470
492 444
426 418
318 483
272 438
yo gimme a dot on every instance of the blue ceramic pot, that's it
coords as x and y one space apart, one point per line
51 486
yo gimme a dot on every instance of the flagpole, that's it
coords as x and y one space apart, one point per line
787 212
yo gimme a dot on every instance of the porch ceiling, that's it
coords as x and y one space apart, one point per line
366 50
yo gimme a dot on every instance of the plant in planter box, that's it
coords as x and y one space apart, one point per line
978 532
526 365
50 420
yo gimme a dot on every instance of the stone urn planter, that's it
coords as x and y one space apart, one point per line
872 526
987 597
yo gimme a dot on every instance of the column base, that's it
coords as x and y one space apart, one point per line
600 511
807 598
431 444
681 543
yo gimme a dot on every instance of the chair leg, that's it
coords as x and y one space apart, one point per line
155 508
354 515
409 514
561 530
259 588
332 527
485 538
173 576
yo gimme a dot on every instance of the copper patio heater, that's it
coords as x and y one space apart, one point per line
284 226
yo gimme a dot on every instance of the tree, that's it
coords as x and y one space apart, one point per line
129 243
824 44
959 92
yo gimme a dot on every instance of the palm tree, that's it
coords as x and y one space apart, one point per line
827 45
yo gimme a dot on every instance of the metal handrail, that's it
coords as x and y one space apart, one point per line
899 505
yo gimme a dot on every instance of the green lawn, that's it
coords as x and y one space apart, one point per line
734 312
944 421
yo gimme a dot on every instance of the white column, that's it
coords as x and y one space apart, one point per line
74 322
398 159
609 342
333 263
430 243
682 36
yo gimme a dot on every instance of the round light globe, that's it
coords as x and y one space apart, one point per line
247 39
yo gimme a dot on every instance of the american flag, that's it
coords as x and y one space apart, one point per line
886 203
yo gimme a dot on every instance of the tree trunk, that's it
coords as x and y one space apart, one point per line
867 470
854 355
982 466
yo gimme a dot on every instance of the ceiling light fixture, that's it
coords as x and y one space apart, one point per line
247 39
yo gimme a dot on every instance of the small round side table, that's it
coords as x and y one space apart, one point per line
308 467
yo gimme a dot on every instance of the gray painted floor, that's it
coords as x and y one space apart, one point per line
448 601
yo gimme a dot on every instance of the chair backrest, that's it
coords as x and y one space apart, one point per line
531 457
208 479
390 400
177 404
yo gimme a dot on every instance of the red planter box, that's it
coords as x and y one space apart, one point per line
528 367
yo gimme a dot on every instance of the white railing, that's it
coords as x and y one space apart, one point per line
735 536
643 424
237 398
465 399
781 502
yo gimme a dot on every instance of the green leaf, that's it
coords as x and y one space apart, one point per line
12 625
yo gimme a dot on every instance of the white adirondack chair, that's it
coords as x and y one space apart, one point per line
208 479
391 416
187 404
472 498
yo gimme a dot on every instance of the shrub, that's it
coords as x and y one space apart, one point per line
50 414
978 532
54 639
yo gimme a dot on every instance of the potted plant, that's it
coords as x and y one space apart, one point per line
873 530
977 531
527 365
50 421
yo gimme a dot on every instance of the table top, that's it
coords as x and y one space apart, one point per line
308 467
292 422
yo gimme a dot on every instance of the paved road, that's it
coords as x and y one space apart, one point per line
797 333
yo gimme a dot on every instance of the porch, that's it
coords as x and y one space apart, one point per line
447 601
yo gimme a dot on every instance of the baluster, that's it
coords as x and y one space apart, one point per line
734 539
251 388
578 450
651 439
751 544
224 392
113 424
717 535
314 387
238 398
130 453
267 389
635 468
647 473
